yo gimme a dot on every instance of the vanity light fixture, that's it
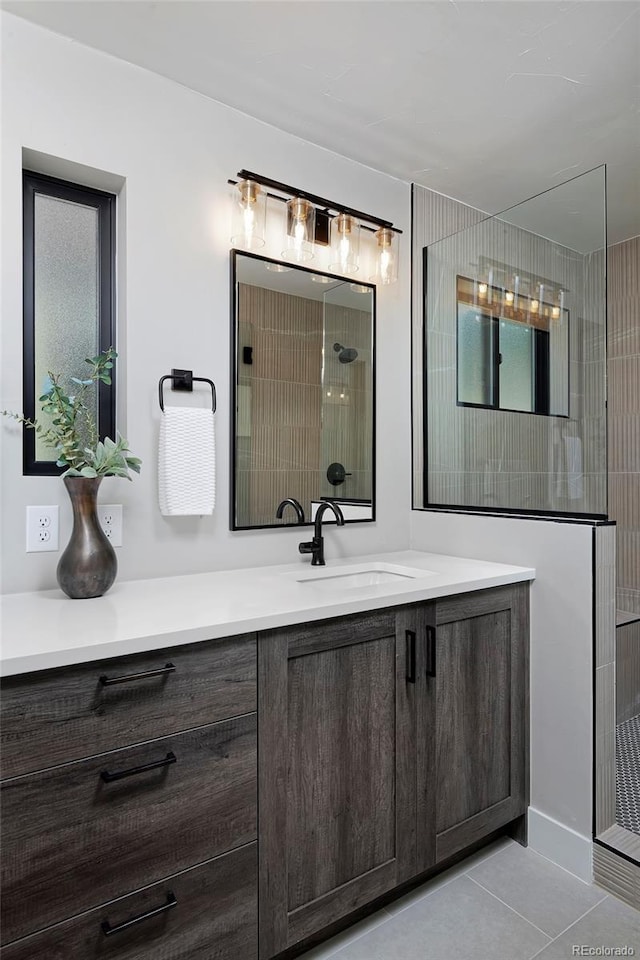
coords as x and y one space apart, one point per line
482 289
386 256
508 296
359 288
322 278
312 221
345 244
249 215
555 312
275 267
300 230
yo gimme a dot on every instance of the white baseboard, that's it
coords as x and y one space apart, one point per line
570 850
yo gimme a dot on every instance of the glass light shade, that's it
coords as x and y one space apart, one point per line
249 215
300 230
386 256
345 244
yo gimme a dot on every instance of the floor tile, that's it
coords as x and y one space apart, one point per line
537 889
348 936
460 920
426 889
610 924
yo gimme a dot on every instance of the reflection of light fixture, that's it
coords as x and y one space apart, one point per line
534 306
359 288
278 268
482 289
300 230
509 296
321 278
386 256
555 312
345 243
249 215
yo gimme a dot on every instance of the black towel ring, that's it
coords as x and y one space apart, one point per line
184 380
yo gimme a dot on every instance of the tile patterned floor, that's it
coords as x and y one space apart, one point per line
503 903
628 774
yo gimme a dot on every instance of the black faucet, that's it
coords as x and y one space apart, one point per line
316 546
291 501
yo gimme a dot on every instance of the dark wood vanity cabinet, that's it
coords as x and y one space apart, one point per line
336 774
472 748
388 742
379 744
132 778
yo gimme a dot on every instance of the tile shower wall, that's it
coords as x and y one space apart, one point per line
347 421
279 452
623 300
495 458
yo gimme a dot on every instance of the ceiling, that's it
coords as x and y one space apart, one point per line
488 102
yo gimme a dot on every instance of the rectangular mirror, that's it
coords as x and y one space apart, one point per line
303 393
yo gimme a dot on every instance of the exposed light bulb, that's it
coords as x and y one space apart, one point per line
249 215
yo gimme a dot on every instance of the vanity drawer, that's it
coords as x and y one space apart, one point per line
73 839
66 714
214 918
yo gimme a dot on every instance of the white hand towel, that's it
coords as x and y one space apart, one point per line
187 462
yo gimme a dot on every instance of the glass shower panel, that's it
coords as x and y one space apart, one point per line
528 433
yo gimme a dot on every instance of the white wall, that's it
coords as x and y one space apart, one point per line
175 150
561 663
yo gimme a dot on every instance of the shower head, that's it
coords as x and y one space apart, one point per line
345 354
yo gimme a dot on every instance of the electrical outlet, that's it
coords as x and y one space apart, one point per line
42 528
110 517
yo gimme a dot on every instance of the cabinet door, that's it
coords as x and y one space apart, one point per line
476 677
336 771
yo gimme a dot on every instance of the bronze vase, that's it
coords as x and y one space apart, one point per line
88 566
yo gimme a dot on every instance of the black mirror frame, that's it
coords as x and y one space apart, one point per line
233 525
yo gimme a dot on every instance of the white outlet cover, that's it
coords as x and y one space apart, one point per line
42 529
110 517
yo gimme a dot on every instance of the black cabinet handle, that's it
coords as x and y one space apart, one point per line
107 929
155 765
160 672
410 636
431 651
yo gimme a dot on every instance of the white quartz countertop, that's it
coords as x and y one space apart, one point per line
45 629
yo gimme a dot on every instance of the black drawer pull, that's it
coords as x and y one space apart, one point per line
410 636
155 765
431 651
160 672
107 929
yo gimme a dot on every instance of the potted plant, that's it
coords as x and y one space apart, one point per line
88 566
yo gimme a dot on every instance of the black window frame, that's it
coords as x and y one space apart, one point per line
105 203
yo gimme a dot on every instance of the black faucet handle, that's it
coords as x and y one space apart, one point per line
307 547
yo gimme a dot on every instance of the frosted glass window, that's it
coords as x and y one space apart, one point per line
66 287
475 367
68 305
516 366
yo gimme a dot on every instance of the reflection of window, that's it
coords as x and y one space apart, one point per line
505 350
69 273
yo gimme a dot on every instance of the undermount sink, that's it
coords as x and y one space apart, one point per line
361 575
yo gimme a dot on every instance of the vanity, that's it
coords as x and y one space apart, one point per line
222 766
